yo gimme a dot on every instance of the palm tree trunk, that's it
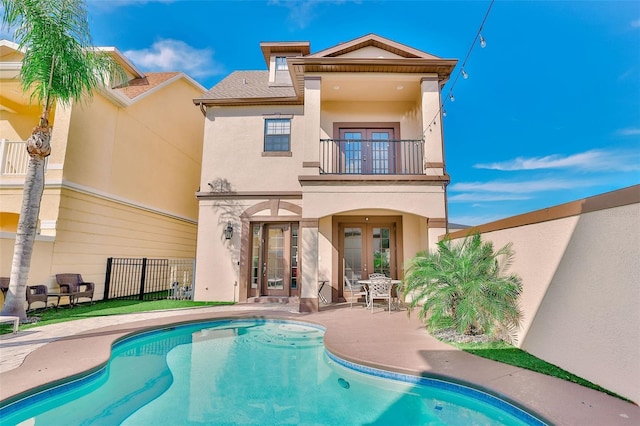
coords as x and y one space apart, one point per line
38 146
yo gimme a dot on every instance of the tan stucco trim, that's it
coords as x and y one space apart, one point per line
291 195
395 125
273 206
309 222
311 164
277 154
621 197
294 100
434 165
436 222
372 179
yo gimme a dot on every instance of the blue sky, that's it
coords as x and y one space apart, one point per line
550 112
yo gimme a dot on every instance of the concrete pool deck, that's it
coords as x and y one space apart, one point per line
396 342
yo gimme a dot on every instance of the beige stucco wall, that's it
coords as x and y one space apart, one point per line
581 298
405 113
426 201
237 133
218 269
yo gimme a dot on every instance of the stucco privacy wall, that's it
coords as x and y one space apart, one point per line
580 264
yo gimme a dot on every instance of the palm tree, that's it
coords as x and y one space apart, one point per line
59 66
465 285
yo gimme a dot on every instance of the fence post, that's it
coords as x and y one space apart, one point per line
107 279
143 277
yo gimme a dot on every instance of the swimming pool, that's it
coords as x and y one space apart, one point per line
251 372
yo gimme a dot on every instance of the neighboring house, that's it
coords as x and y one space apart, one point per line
120 179
325 165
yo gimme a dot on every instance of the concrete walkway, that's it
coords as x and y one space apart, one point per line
396 342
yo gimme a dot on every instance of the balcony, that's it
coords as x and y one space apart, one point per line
14 158
371 157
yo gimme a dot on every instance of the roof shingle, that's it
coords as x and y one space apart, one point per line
248 85
138 86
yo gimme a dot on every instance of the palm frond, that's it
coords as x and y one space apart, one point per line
464 284
59 63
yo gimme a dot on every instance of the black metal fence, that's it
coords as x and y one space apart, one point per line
149 279
371 157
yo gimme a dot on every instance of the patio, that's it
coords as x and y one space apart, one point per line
408 348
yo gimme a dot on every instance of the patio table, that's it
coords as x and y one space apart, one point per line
58 296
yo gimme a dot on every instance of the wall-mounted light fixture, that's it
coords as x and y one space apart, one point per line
228 231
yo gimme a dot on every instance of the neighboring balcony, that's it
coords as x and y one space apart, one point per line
371 157
14 158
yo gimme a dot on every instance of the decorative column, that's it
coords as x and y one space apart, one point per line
309 265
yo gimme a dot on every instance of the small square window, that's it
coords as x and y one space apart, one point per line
277 134
281 63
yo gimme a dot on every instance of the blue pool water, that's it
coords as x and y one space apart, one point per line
251 372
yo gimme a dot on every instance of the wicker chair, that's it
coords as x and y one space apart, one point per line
4 285
75 287
37 293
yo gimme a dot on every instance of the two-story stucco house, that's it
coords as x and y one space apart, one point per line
120 178
324 165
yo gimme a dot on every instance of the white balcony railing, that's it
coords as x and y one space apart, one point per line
14 158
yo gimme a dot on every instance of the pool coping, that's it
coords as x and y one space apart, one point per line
394 342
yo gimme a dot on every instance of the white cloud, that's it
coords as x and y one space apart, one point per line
520 187
629 131
175 55
593 160
484 197
302 12
472 220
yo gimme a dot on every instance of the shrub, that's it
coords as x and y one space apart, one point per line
465 285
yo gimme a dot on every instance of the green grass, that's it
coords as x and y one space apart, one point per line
102 308
508 354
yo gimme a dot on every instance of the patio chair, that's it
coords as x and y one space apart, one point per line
377 275
37 293
354 289
75 287
173 290
380 288
4 285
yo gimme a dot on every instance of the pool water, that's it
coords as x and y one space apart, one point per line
251 372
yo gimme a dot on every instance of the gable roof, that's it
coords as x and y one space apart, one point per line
375 41
248 87
252 87
140 85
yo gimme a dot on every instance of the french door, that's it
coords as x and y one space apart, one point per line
368 248
274 254
367 151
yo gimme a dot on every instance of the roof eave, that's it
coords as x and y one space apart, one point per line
298 67
290 100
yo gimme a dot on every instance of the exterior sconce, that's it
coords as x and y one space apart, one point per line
228 231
